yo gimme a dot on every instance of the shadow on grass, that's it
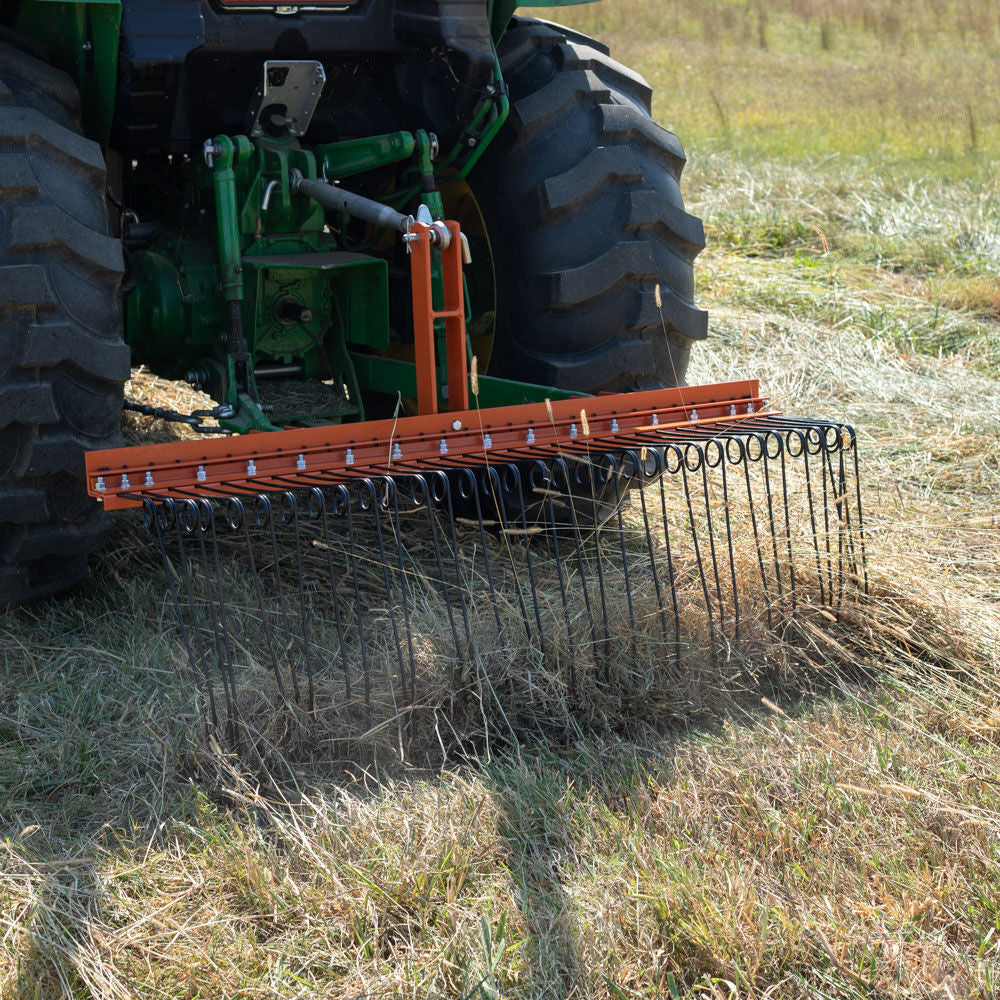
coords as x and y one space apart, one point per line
99 749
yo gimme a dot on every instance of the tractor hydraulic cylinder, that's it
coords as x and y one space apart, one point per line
337 199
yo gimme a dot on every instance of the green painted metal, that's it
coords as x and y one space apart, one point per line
389 375
343 159
82 40
227 219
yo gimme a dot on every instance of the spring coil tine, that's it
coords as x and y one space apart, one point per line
765 459
324 515
838 506
796 434
368 486
496 493
599 563
824 459
788 521
428 502
744 460
243 522
159 524
852 560
264 503
560 464
861 521
723 457
633 457
671 571
186 561
359 610
699 562
614 477
392 494
469 651
550 510
293 518
471 481
220 621
515 473
703 466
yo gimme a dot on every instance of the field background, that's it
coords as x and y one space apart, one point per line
838 840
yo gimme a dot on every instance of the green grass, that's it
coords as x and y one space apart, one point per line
839 838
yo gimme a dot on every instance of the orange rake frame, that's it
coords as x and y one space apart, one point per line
277 460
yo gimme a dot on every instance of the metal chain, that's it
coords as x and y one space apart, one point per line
193 419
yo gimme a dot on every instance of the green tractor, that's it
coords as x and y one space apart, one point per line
213 188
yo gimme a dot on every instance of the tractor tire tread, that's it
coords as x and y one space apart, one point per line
63 361
600 222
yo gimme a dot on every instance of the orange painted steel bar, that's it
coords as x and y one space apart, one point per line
452 311
121 477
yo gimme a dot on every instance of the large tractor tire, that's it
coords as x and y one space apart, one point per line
63 360
580 194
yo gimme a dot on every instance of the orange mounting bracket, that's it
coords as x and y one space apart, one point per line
452 311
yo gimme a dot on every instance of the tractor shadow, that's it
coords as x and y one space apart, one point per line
100 754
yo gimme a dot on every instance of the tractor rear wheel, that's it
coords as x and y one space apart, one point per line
63 360
580 193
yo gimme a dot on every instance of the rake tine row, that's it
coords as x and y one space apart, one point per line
374 592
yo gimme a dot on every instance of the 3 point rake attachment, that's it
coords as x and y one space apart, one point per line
556 554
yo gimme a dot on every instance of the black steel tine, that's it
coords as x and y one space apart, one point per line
427 499
359 607
265 501
370 490
697 548
239 518
852 558
392 493
187 563
550 509
671 571
461 586
788 522
824 461
812 513
599 560
857 491
223 638
658 472
472 483
710 530
320 499
838 503
614 475
746 459
303 616
765 464
723 456
515 473
152 516
560 464
492 477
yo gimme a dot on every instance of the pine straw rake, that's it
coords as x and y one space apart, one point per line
530 573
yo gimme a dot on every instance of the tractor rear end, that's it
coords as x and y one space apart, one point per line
433 268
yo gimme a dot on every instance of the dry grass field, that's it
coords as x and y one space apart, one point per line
828 833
